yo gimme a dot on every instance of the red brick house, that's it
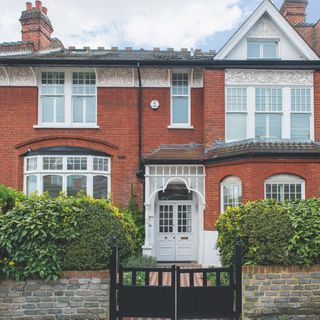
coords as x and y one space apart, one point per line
191 132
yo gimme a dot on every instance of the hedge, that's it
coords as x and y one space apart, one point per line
272 233
9 197
41 236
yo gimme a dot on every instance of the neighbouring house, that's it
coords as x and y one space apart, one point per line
190 132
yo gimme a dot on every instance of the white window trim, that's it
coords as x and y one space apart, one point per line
231 180
238 112
68 124
286 109
264 40
64 173
285 179
182 125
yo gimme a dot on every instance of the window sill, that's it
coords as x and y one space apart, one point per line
42 126
186 127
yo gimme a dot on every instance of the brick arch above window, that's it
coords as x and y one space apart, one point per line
66 140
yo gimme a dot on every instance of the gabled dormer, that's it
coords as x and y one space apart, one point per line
266 35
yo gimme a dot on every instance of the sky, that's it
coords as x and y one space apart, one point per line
204 24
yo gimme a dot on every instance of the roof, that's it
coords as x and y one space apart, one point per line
114 54
196 153
176 153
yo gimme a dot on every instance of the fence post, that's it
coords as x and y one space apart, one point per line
113 282
238 277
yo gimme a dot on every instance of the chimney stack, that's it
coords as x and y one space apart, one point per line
294 11
36 26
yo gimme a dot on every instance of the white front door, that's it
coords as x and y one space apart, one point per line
176 232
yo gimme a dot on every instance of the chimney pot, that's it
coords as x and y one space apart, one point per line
45 10
38 4
28 6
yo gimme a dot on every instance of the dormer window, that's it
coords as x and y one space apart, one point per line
262 49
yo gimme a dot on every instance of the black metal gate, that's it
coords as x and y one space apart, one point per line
175 292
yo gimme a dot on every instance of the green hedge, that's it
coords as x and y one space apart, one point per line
9 197
41 236
98 224
272 233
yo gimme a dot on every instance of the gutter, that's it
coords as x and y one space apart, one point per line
211 64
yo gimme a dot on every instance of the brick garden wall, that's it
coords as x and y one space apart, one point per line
77 295
290 292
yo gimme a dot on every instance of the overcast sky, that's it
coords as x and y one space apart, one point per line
204 24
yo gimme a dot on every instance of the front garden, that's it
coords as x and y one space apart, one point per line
41 236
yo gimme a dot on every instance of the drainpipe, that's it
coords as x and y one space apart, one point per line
140 172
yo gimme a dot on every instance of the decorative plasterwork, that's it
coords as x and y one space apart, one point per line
21 76
268 77
154 77
4 80
264 28
197 78
115 77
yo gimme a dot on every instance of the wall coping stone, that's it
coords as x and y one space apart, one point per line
280 269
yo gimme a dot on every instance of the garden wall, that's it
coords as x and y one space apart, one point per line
291 292
77 295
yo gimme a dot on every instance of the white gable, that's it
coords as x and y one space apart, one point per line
267 23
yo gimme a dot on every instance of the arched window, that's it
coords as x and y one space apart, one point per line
284 187
231 192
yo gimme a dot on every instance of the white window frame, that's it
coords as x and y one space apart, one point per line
182 125
262 41
309 113
68 95
286 109
285 179
89 173
234 112
229 181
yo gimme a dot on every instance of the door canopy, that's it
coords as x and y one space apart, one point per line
158 177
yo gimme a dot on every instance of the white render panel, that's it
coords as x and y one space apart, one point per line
4 80
20 76
115 77
211 255
197 78
150 77
269 77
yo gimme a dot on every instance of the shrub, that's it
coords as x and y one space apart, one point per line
32 235
265 229
305 220
138 262
97 225
136 216
9 197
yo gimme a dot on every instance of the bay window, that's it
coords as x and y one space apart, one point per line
236 113
180 100
300 113
268 113
68 99
71 174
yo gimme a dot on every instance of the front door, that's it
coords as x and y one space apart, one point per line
176 232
